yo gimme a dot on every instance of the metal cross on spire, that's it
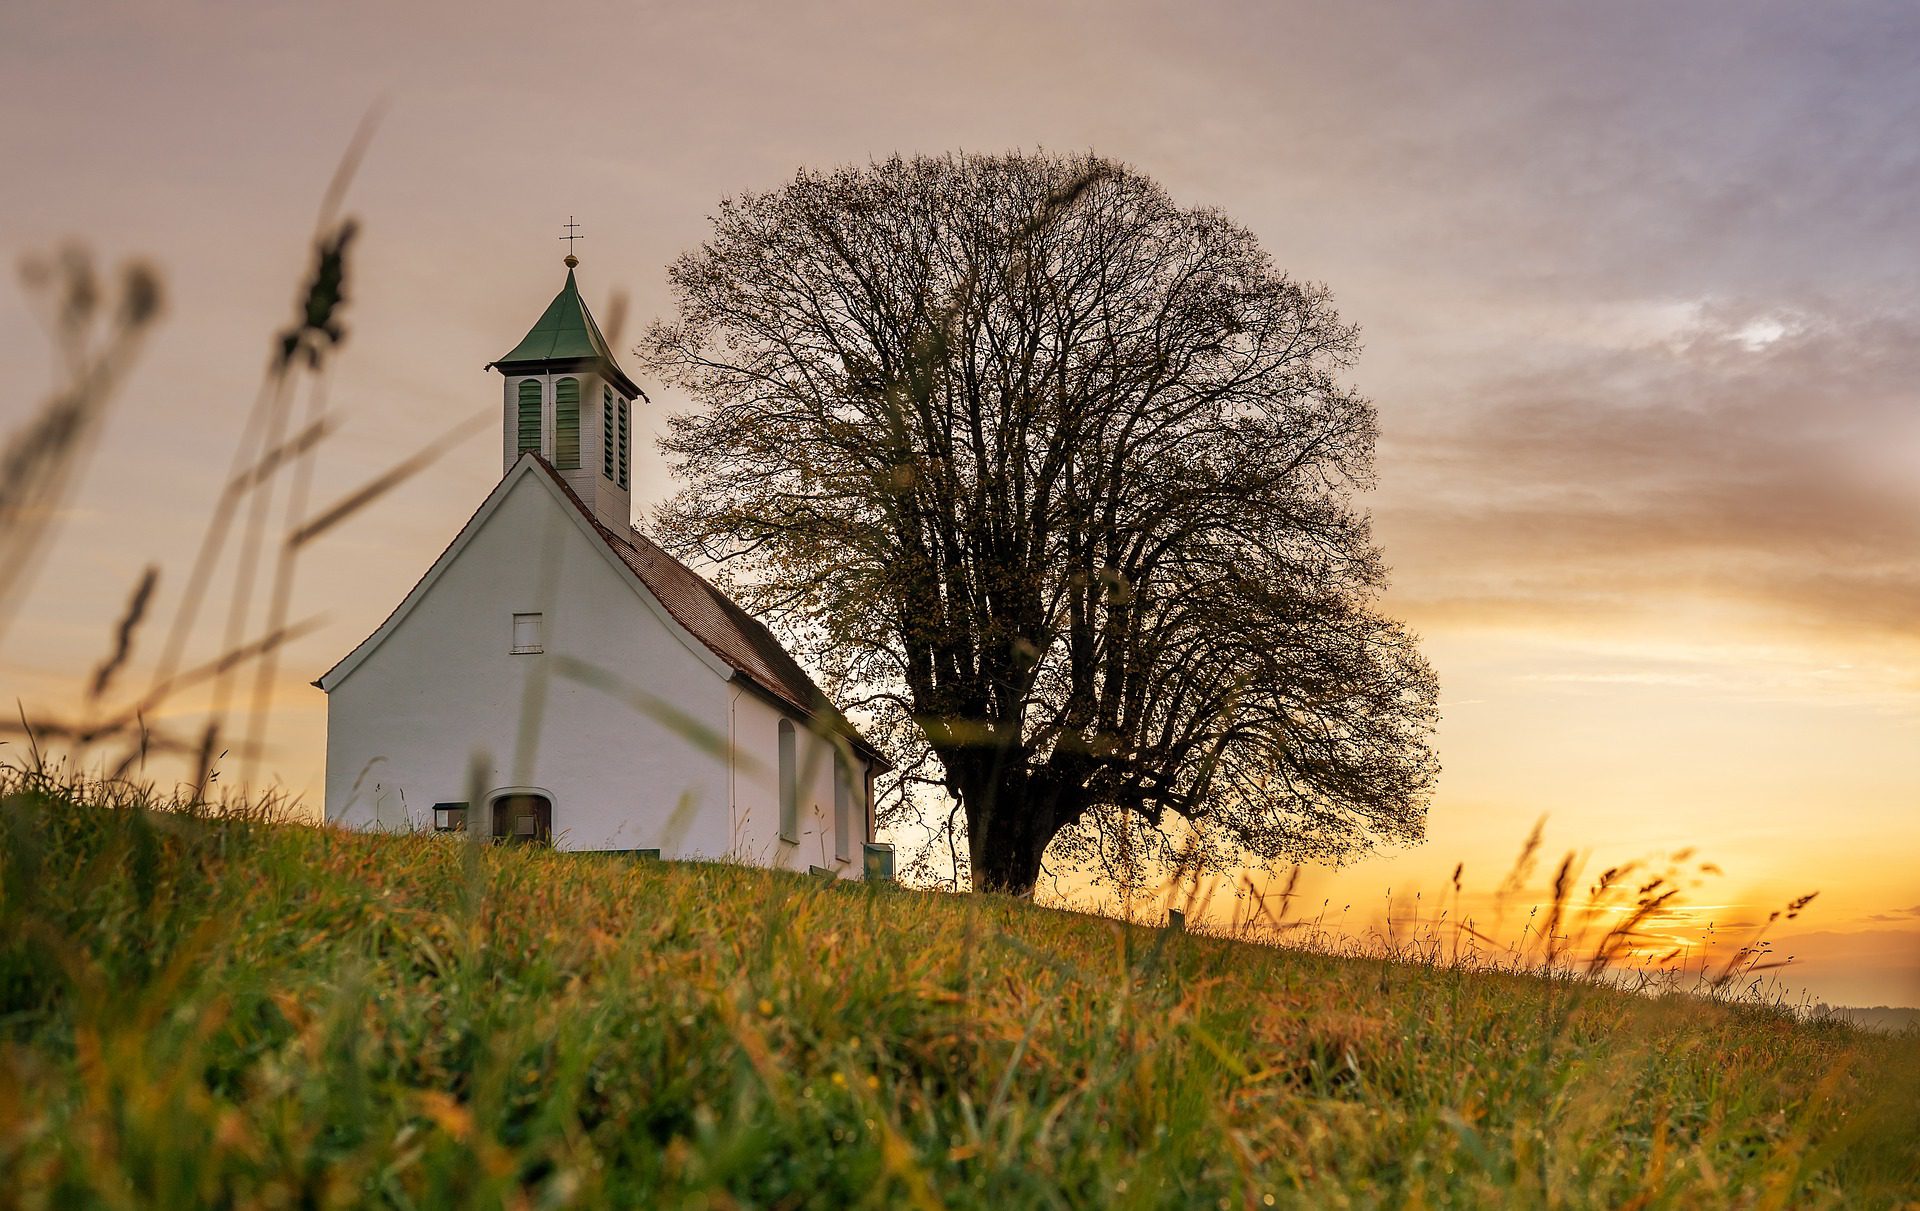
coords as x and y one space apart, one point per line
572 227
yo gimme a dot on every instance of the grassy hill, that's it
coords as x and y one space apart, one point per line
199 1013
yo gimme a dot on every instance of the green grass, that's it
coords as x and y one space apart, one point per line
202 1012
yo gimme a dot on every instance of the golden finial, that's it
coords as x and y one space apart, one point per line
570 237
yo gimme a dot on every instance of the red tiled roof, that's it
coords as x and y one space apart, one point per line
716 620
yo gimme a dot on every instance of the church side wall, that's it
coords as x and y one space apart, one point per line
443 689
756 810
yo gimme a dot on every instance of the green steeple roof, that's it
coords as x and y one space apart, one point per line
566 338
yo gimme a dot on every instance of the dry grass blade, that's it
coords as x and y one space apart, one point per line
695 732
299 444
41 458
349 165
200 674
83 734
280 600
213 539
318 329
123 633
262 454
387 481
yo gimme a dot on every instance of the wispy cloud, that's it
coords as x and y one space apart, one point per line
1770 476
1901 915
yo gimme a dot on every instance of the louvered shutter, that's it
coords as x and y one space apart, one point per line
529 416
566 424
623 443
606 432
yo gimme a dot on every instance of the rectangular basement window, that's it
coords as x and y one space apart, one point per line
527 635
450 817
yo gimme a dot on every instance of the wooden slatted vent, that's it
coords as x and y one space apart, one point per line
623 443
530 416
606 432
566 424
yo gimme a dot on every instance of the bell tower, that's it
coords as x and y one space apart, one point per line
567 400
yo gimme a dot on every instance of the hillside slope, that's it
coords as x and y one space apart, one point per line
198 1013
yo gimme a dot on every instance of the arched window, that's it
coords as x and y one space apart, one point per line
606 432
789 784
842 810
523 819
529 416
566 424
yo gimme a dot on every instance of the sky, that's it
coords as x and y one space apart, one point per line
1639 286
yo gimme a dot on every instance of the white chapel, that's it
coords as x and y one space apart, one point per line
557 678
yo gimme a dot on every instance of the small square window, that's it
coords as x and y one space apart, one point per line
528 634
449 817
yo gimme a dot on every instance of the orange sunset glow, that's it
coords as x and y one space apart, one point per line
1639 290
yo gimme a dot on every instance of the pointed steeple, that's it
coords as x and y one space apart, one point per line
568 401
565 337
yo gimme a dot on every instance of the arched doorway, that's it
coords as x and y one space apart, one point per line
523 818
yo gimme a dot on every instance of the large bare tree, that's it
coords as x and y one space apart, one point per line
1058 473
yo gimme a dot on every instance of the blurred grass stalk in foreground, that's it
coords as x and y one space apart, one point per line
272 463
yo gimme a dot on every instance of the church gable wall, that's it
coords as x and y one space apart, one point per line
406 723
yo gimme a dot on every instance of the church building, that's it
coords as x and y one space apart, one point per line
557 678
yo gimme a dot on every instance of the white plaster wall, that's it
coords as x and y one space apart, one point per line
756 794
404 726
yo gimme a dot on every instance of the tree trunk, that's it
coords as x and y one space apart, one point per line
1008 865
1007 833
